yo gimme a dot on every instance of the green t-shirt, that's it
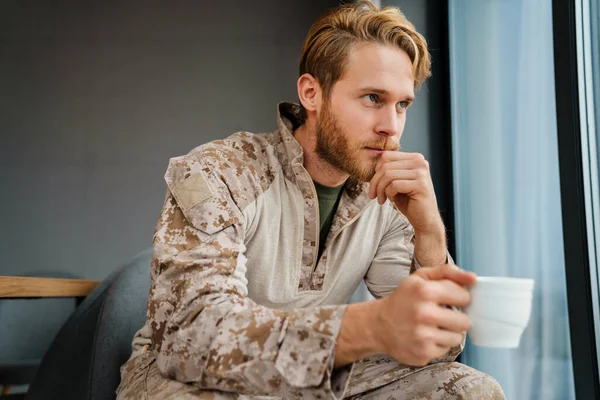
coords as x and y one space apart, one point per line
329 198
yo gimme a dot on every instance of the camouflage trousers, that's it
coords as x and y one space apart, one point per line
375 378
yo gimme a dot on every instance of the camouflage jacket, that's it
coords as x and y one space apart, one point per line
239 301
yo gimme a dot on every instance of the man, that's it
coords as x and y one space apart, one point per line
263 239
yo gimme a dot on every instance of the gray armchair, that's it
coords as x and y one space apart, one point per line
27 329
84 359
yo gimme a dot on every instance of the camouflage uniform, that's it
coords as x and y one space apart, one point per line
239 305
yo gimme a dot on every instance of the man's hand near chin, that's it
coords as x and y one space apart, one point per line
405 179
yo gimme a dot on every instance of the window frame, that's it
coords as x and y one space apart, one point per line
575 177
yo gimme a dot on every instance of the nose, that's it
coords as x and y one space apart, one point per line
389 123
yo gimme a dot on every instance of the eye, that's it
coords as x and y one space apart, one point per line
372 98
402 106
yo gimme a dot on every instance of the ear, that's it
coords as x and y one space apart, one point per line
309 92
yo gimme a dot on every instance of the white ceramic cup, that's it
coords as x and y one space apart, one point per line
499 310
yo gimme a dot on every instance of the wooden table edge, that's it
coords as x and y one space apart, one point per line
26 287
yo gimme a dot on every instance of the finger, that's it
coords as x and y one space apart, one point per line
383 165
447 339
375 180
408 187
379 172
373 184
448 290
393 176
442 292
398 164
440 351
451 320
440 317
447 271
388 156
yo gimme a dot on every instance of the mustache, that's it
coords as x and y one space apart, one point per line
391 146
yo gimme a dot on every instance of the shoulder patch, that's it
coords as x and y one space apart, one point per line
191 191
202 197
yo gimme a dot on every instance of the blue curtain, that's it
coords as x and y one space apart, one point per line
506 180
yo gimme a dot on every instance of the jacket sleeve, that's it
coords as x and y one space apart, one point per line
395 260
204 328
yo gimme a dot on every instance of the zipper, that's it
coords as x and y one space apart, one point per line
361 212
318 211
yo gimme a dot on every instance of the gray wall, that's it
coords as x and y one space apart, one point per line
96 97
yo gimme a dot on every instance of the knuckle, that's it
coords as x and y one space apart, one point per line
448 268
430 352
414 280
420 354
433 350
421 362
423 314
386 179
425 291
420 337
423 338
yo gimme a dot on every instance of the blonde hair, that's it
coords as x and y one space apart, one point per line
332 36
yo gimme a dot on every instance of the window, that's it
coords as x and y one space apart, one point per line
506 181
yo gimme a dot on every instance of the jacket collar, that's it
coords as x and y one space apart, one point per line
289 117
